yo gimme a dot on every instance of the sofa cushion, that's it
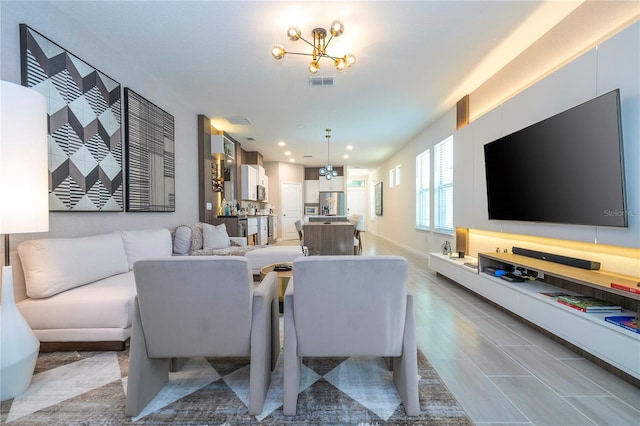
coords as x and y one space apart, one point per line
182 240
215 236
105 304
145 243
54 265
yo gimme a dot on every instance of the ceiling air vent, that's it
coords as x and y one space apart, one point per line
250 139
238 120
321 81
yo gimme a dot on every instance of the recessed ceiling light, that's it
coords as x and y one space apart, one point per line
292 160
287 153
349 147
281 143
345 156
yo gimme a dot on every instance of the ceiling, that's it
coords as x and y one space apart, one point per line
415 60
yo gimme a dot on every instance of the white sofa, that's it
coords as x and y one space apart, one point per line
77 293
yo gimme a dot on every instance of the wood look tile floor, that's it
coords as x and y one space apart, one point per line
502 371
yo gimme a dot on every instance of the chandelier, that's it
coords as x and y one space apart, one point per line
319 45
327 171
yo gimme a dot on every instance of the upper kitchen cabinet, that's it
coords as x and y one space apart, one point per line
335 184
249 179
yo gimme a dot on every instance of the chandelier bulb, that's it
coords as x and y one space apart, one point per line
350 59
278 52
314 67
328 176
337 28
329 168
339 64
323 171
334 173
294 33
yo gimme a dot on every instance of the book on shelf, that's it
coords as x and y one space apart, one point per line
630 323
588 304
617 286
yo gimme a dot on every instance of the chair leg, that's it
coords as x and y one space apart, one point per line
147 376
405 367
291 376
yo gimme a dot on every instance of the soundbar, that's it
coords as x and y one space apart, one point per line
556 258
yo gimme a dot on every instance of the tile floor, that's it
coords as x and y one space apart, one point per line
502 371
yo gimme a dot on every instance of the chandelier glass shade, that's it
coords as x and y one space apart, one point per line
327 171
319 45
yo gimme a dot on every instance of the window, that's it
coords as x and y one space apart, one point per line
423 185
398 169
391 178
443 185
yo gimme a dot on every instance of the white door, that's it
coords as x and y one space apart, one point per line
291 199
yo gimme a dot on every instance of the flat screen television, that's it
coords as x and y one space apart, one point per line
565 169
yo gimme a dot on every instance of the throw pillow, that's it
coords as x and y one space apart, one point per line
182 240
215 237
196 236
140 244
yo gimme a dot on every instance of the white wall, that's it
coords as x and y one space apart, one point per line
588 25
397 222
47 20
612 64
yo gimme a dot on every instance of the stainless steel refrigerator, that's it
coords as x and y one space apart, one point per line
332 203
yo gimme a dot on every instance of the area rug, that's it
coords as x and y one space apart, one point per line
89 388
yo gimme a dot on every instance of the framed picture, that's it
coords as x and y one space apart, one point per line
85 136
378 199
311 210
150 156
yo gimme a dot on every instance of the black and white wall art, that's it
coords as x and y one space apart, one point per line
150 154
85 137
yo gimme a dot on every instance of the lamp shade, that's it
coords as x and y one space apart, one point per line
24 172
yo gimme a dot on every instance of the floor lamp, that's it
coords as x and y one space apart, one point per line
24 207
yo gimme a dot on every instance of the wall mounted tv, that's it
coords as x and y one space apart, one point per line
565 169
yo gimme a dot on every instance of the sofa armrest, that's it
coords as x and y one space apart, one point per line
238 241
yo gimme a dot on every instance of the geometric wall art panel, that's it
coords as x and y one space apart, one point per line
150 155
84 126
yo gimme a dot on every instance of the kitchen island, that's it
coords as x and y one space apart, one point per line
333 238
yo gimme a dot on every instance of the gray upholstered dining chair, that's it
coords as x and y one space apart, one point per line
339 306
201 306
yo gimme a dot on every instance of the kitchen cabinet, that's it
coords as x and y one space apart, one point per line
272 226
249 178
235 227
311 191
263 230
253 175
335 184
263 180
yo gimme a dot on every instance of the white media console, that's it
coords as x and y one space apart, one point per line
589 332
